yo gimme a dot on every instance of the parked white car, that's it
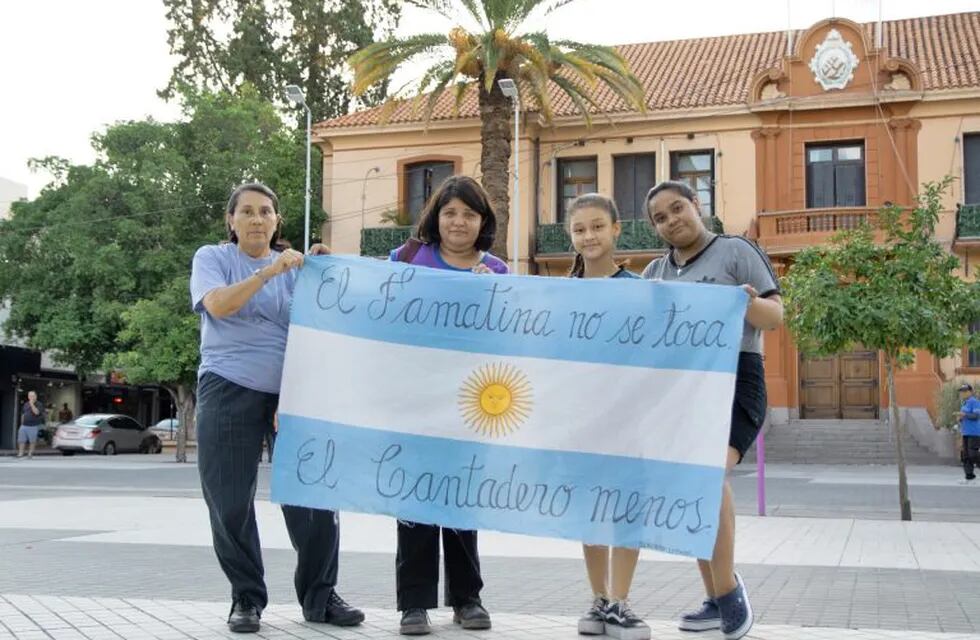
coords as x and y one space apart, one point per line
166 429
105 433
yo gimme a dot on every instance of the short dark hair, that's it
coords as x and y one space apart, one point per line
598 201
473 196
255 187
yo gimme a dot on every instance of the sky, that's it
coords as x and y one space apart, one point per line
68 68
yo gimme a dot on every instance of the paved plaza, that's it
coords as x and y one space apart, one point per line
120 548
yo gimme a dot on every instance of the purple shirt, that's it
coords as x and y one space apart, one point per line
429 256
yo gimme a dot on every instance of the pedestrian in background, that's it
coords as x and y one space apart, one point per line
969 416
31 420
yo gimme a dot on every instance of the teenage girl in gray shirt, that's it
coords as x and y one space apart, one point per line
698 255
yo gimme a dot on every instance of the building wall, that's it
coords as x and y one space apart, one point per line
760 168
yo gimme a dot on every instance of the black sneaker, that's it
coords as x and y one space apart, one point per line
415 622
244 617
337 612
704 619
593 623
471 616
623 624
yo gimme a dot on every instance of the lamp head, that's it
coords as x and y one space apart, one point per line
295 95
508 87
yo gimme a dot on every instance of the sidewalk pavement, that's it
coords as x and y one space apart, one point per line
24 617
820 542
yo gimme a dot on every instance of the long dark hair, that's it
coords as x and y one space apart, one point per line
682 189
596 201
473 196
255 187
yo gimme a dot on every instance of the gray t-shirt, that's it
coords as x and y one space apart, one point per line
731 260
247 347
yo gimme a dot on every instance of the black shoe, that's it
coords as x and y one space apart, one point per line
244 617
337 612
471 616
415 622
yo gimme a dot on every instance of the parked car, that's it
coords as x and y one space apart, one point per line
105 433
166 429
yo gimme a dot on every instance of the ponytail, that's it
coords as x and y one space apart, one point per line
578 267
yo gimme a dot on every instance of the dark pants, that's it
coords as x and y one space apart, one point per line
971 454
232 422
417 566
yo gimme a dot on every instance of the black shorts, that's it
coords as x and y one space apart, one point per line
749 406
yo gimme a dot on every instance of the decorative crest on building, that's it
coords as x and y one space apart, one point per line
834 62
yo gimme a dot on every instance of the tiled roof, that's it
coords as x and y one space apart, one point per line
712 72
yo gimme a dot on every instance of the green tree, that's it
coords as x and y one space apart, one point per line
158 344
222 44
893 296
499 50
90 264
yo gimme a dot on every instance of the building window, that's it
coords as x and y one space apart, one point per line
421 180
696 168
575 177
971 168
835 175
973 355
633 176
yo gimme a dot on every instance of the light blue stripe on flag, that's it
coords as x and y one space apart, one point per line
614 321
600 499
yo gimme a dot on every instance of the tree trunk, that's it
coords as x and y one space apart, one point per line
495 149
903 483
183 396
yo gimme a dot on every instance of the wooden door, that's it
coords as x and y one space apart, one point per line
840 386
859 385
820 387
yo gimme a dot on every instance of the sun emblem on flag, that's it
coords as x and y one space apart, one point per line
495 400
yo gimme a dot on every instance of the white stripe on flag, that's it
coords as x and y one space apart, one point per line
417 390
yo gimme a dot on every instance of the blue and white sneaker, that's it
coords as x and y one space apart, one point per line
704 619
736 612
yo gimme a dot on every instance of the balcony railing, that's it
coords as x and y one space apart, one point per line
379 241
637 235
968 222
790 231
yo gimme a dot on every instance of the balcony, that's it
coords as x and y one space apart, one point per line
967 226
637 236
786 232
378 242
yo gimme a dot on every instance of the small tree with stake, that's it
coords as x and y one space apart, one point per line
894 296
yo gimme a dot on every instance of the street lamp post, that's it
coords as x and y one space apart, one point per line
295 95
509 89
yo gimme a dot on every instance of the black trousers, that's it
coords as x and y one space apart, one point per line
417 566
232 422
970 454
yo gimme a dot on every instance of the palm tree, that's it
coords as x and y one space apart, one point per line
544 70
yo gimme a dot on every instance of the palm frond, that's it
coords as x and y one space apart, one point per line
581 99
445 8
491 56
459 92
539 89
378 60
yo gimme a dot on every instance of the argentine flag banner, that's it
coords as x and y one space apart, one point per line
594 410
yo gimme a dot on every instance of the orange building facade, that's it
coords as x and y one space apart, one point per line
788 138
